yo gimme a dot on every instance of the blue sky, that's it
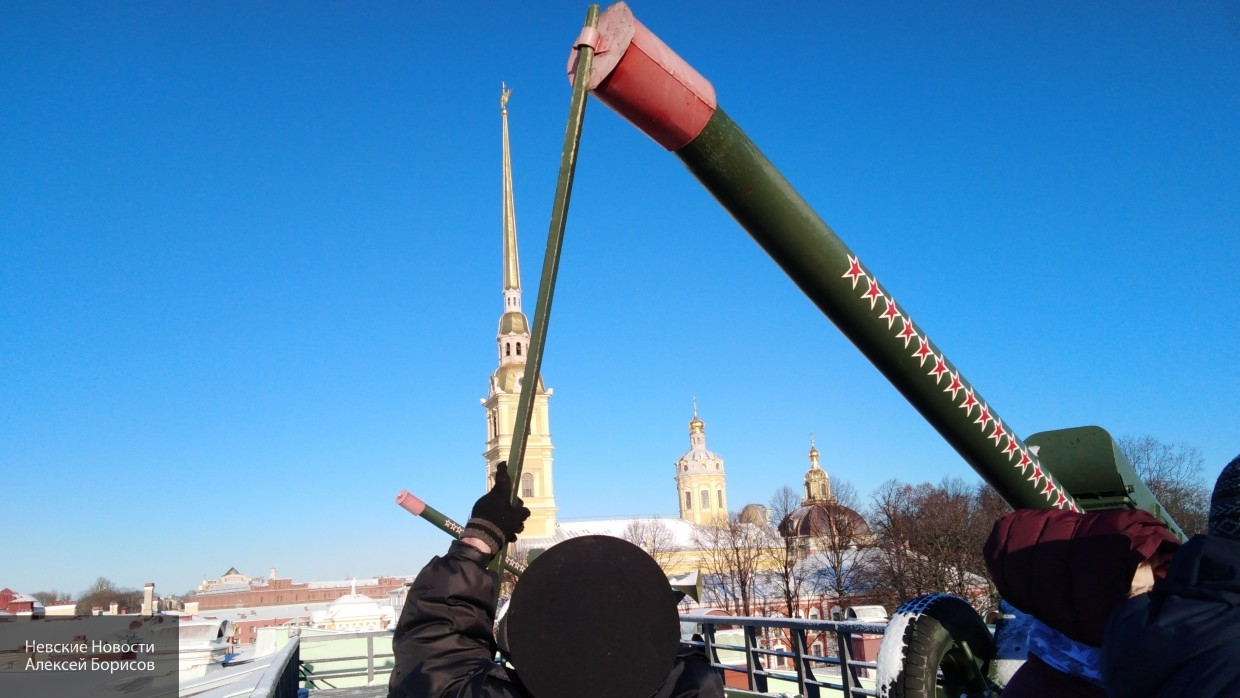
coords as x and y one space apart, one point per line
250 260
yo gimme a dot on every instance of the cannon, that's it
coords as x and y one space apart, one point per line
1081 469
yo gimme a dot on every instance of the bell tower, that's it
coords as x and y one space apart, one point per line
701 484
504 393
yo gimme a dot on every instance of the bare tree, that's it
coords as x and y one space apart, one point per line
734 553
1174 474
893 518
844 544
931 537
48 598
103 593
791 573
656 538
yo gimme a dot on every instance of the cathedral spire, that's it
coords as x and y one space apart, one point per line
504 394
512 268
514 327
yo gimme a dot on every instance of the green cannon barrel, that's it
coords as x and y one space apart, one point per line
644 81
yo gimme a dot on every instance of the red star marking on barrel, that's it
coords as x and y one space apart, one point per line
1000 432
922 351
983 418
970 401
1050 487
873 293
854 270
955 386
940 367
908 332
1025 460
1060 499
1012 446
890 314
1036 475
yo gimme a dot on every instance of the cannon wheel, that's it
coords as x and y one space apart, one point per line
935 637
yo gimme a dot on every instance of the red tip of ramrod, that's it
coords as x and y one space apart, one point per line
410 503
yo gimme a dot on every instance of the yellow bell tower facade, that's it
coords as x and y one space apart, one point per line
513 343
701 484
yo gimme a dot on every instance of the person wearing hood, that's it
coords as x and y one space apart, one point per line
1183 638
1069 571
592 617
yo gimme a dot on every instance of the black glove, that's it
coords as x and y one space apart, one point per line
496 518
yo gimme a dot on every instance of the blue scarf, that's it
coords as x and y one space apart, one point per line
1065 654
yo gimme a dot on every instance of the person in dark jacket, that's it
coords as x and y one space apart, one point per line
1069 572
1183 638
591 616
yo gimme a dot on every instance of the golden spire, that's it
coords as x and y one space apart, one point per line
696 426
512 268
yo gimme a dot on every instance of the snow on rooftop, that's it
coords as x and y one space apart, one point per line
680 530
368 582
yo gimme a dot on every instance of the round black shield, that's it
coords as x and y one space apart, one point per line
593 617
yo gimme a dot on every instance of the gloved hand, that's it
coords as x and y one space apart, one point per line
495 518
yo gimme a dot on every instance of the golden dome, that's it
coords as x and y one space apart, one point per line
513 323
507 378
696 426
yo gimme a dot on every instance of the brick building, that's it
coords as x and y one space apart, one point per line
17 604
279 592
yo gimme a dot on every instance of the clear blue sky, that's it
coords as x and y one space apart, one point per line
250 260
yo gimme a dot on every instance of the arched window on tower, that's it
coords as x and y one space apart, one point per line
688 501
705 499
507 349
527 484
518 348
719 503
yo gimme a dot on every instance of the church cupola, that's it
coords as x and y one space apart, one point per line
701 484
817 482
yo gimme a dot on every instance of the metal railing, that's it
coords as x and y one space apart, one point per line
840 672
288 670
313 674
282 676
757 658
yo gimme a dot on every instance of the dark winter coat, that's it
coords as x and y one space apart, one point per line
1070 571
444 644
1183 638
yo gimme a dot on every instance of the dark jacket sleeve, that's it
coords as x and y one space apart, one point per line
1182 638
443 643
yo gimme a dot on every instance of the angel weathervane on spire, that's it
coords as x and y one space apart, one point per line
503 97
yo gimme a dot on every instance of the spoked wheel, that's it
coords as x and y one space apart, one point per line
935 646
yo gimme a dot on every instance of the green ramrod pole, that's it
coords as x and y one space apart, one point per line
417 507
551 258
